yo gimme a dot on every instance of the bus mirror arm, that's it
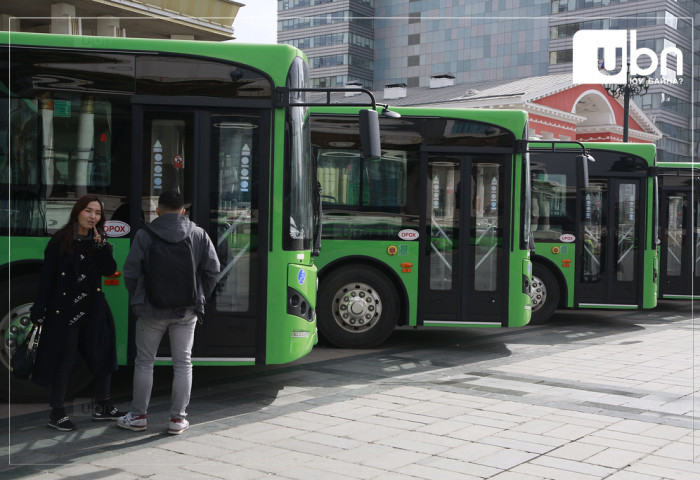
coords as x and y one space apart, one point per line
582 170
369 120
524 146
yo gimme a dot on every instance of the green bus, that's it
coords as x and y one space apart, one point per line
126 119
679 230
435 233
595 245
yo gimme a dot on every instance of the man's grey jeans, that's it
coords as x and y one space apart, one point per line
149 332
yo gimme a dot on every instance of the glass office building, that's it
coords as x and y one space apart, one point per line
336 35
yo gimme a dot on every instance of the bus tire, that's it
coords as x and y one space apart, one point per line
358 308
13 325
544 293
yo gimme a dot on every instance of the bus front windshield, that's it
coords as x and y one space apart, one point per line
299 204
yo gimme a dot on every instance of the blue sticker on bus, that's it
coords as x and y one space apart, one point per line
301 277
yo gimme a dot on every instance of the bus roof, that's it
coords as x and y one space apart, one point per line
644 150
513 120
272 59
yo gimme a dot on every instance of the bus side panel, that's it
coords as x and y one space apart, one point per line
563 257
118 298
650 284
519 301
392 255
291 331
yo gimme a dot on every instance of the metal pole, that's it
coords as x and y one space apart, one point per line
626 124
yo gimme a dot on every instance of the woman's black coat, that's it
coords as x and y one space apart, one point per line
55 294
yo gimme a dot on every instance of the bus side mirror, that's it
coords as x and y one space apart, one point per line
582 169
369 134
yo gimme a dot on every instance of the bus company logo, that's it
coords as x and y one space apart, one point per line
115 228
301 277
589 66
567 238
408 234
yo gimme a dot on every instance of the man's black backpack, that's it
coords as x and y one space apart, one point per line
171 272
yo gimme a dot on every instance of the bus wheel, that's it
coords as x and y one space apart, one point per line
358 308
544 294
14 326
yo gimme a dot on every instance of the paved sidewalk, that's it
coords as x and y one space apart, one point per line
589 397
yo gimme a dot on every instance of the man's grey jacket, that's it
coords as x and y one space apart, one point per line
172 227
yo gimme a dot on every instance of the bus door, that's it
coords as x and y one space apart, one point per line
462 268
211 157
680 242
609 243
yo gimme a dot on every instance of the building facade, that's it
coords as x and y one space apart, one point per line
200 20
495 40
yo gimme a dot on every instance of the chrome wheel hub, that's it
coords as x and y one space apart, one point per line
356 307
13 328
538 294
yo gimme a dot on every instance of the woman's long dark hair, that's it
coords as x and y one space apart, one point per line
66 235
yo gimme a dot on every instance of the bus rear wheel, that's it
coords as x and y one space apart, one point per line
544 294
358 308
14 326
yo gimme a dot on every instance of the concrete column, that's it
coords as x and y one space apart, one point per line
107 27
59 23
7 25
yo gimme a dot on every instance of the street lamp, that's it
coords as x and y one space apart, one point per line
637 85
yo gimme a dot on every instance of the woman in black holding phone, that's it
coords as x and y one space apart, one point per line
73 312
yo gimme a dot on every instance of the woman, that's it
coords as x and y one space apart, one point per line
73 312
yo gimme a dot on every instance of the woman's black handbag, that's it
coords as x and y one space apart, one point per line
23 359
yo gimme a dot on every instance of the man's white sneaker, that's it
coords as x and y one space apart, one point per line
177 426
136 423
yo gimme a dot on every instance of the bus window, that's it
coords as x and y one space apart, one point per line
553 204
594 231
674 236
626 228
171 163
487 210
233 186
443 217
81 150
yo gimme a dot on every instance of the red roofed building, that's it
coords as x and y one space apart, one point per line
558 109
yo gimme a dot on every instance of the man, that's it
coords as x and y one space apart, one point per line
142 265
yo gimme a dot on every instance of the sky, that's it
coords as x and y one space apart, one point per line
256 22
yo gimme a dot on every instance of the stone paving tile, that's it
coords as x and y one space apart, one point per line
515 476
510 443
626 475
578 467
361 431
474 432
661 467
215 469
459 466
430 473
551 473
506 458
614 458
329 440
332 466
